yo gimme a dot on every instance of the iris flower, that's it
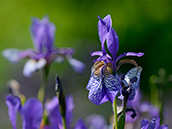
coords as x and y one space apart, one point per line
153 124
55 118
43 35
31 112
140 108
103 84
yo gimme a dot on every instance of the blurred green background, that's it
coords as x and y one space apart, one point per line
142 26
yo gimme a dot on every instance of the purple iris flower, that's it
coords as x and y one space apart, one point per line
55 118
103 85
31 112
96 122
139 108
153 124
43 35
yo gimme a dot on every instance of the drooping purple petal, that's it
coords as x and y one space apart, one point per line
54 115
113 43
32 66
90 82
139 54
11 55
104 27
43 32
14 105
153 124
80 125
96 122
77 65
32 113
97 91
132 79
112 85
69 110
144 124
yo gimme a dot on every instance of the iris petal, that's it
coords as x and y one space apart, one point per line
113 43
104 27
112 85
144 124
14 105
54 115
96 92
77 65
11 55
32 112
31 66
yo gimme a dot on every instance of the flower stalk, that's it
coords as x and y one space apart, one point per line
41 92
115 124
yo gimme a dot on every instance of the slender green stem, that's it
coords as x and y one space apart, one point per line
115 124
41 92
64 123
161 105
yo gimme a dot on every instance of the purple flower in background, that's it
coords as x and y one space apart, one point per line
139 108
43 35
103 84
80 125
55 118
153 124
54 115
31 112
96 122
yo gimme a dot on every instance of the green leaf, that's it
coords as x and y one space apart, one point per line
121 122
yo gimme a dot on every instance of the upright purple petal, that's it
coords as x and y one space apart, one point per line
104 27
14 105
54 115
80 125
69 110
113 43
43 33
32 113
96 122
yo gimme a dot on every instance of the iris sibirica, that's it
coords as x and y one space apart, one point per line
31 112
43 35
104 84
140 108
153 124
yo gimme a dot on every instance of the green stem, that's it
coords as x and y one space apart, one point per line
161 104
41 92
115 124
153 90
64 123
